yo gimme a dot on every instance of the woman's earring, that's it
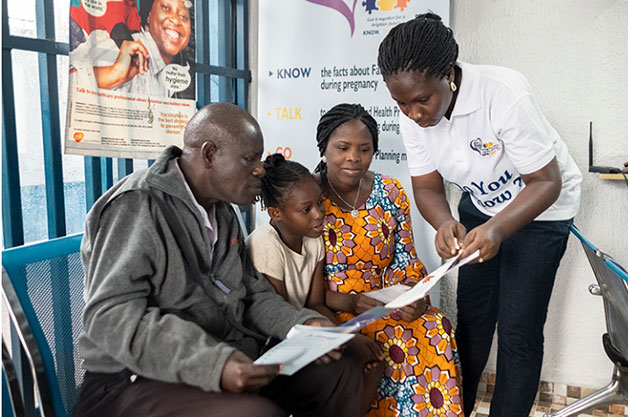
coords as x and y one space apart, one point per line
452 85
324 159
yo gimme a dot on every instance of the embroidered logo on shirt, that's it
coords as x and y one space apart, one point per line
234 240
484 149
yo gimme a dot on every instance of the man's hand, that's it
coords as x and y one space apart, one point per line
414 310
240 375
446 236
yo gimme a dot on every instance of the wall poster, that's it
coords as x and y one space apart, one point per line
132 82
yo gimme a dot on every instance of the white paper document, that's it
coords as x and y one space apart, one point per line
356 323
418 291
422 287
388 294
303 345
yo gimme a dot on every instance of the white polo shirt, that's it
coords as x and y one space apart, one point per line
496 133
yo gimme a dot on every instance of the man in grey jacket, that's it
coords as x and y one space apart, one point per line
175 312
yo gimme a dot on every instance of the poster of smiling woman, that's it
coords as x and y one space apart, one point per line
132 81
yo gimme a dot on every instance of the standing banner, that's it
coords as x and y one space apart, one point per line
314 54
132 81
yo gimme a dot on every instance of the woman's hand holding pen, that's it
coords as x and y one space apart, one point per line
452 239
487 238
448 234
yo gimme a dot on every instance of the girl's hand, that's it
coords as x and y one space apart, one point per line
362 302
487 238
446 236
413 311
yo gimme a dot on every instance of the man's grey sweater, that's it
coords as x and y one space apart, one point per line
143 312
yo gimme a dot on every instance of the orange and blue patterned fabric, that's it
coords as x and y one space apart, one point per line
375 249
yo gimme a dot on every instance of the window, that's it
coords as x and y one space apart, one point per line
46 194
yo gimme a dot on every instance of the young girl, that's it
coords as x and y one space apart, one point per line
289 251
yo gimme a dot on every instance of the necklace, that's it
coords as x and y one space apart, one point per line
354 211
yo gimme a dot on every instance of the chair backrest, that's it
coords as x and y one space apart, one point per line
43 286
613 282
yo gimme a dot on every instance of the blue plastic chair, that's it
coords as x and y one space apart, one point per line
42 284
613 287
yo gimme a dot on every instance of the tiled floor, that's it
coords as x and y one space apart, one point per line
542 407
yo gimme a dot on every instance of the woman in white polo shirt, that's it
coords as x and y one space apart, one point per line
479 128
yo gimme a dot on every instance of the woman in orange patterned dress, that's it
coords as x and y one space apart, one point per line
369 245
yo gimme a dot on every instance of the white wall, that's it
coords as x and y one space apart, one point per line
575 55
